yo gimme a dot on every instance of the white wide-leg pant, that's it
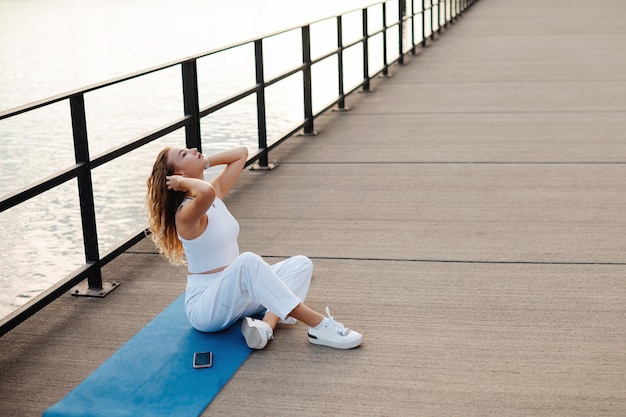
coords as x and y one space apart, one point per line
246 287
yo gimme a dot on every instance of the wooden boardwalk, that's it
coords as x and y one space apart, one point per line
467 217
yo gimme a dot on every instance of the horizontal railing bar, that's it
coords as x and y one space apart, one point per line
227 101
326 56
83 90
123 246
245 93
37 188
353 43
261 152
27 310
137 143
284 75
61 287
289 29
294 129
378 32
255 156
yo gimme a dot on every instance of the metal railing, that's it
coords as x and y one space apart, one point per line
441 13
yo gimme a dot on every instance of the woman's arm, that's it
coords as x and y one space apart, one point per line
191 218
235 160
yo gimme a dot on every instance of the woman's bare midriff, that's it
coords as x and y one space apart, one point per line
212 271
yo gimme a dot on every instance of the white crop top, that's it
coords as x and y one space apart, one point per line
217 245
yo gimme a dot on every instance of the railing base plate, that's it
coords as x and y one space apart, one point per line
257 167
313 133
83 290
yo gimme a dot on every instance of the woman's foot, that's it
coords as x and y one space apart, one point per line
334 334
256 332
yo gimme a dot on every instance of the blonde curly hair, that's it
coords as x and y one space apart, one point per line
161 205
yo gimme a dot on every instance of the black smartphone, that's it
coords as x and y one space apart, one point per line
203 359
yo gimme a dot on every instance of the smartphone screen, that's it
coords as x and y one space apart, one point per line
203 359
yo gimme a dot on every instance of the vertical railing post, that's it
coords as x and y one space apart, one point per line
191 104
385 64
307 81
423 23
438 16
400 32
432 20
431 8
263 162
94 285
412 27
366 68
341 105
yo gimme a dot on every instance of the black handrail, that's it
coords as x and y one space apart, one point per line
191 122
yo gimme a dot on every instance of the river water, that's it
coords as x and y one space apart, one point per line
49 47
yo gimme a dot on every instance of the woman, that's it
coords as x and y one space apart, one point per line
188 219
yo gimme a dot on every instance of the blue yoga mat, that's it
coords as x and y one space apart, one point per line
152 374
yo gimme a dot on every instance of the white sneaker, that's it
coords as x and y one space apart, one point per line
334 334
256 332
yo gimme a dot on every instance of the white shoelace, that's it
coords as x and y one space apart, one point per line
335 326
